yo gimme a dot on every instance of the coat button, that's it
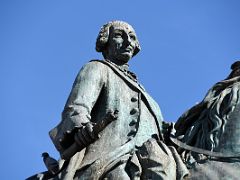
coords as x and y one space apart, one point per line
133 111
134 99
132 132
130 138
133 122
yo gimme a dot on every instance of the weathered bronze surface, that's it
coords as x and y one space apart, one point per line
214 125
111 128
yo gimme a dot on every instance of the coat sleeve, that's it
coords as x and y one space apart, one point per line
77 111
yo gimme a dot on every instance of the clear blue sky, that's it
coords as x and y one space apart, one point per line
187 46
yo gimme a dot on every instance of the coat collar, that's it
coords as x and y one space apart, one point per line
125 75
124 68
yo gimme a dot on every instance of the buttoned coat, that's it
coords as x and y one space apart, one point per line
99 87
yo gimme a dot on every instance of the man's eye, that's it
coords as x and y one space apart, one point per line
117 35
133 37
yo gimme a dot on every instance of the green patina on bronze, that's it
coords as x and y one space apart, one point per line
111 128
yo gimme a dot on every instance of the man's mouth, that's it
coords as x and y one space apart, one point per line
128 50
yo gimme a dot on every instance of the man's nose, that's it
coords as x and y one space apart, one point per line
128 40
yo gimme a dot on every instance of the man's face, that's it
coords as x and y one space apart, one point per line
121 43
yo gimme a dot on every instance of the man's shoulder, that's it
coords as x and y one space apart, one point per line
95 62
94 65
101 65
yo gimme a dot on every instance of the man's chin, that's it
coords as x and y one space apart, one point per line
125 57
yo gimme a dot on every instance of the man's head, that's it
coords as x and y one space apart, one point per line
117 41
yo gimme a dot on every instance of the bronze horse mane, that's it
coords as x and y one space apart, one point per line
203 124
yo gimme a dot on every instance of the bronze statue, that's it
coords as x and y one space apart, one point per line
130 145
112 129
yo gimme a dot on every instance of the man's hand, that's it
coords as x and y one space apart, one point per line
85 135
88 134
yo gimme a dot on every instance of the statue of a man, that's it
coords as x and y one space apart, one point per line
131 147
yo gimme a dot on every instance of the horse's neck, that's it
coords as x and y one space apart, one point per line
229 141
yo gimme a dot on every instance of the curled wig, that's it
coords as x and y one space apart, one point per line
103 36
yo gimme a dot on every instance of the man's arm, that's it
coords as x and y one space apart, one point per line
77 111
